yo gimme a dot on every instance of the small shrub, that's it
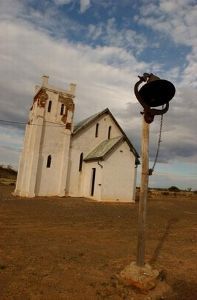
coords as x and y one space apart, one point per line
2 267
174 189
165 193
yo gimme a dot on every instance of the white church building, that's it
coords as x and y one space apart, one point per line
92 159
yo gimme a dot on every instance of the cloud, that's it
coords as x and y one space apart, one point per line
10 8
105 76
172 178
109 34
99 84
62 2
11 140
178 20
84 5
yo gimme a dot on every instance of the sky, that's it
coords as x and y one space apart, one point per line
102 46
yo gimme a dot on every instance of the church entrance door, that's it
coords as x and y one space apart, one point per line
93 181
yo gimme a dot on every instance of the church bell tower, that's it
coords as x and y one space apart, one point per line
44 159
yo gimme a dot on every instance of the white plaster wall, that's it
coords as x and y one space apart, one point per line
26 178
54 114
119 175
55 141
79 183
86 142
74 176
86 139
22 162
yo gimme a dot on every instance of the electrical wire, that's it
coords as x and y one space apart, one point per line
8 122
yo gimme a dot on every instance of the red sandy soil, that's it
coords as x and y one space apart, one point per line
72 248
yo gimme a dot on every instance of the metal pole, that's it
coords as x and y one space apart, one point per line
143 194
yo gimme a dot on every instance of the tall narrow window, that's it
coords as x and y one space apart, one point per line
109 132
80 162
49 161
49 106
97 128
62 110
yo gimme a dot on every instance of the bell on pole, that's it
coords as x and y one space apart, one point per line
155 92
158 92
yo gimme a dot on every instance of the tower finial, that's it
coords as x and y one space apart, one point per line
72 87
45 79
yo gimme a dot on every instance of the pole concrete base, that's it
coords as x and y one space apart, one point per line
146 279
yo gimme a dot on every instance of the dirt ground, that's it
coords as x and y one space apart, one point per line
72 248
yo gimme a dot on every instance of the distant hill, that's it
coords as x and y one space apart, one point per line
7 172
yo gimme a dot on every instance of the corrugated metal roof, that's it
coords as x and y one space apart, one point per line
103 148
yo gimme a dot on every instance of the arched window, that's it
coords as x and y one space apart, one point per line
97 128
49 106
49 161
62 110
80 162
109 132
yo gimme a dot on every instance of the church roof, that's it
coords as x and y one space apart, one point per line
87 122
103 149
